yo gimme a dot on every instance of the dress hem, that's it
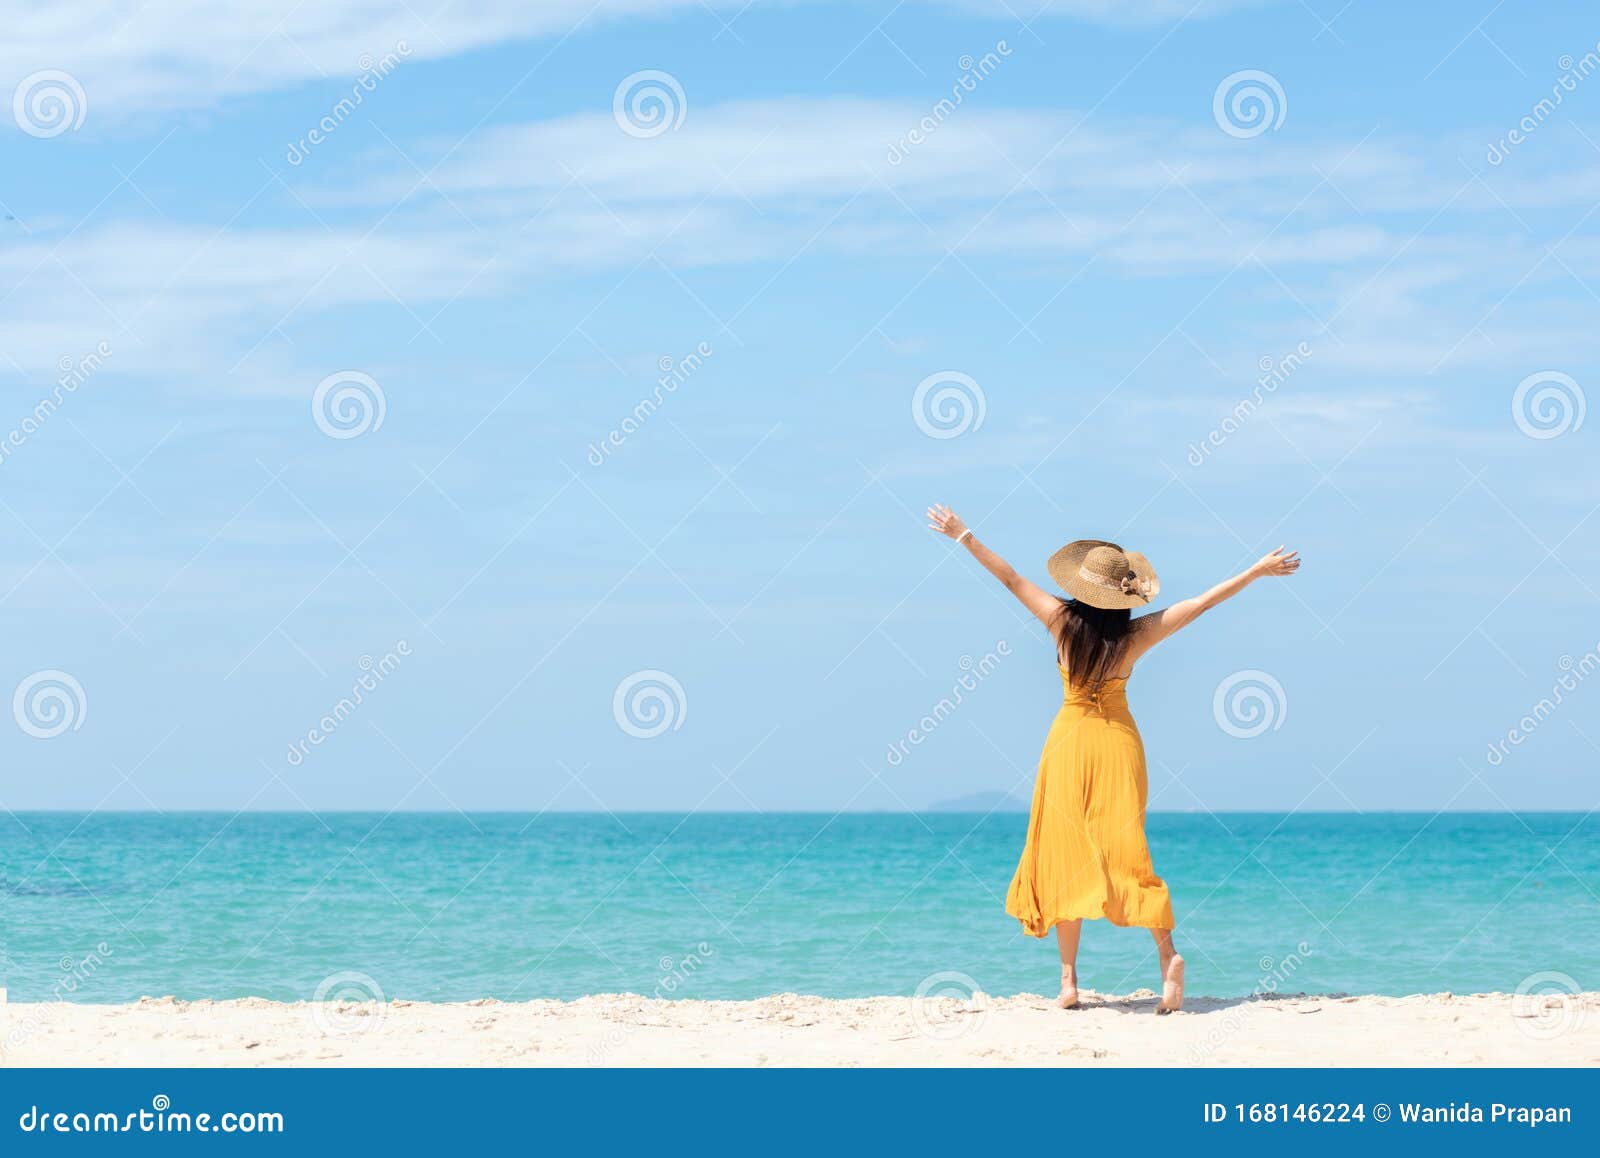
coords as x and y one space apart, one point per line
1044 931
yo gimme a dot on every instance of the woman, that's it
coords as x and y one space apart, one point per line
1085 854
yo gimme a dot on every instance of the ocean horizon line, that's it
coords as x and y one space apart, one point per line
931 810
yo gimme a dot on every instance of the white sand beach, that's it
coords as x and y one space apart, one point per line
788 1030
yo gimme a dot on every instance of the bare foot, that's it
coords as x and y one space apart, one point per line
1172 986
1069 988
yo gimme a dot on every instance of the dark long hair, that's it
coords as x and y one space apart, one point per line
1090 642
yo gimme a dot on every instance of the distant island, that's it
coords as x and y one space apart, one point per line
988 801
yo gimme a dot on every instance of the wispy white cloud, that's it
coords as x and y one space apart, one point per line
130 55
1337 227
133 56
1116 12
795 149
197 305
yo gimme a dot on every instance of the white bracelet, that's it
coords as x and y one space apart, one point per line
963 535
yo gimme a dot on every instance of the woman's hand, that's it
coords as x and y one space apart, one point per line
1278 562
942 519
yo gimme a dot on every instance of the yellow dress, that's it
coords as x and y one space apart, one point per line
1086 854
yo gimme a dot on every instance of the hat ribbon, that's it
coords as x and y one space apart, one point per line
1130 584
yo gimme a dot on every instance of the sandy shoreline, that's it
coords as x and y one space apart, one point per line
790 1030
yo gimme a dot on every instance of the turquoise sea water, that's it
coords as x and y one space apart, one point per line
450 907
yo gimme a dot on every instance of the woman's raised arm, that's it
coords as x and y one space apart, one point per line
1156 626
1038 601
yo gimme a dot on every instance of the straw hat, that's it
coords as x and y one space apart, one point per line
1103 575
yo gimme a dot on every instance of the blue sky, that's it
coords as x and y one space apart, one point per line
1105 258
